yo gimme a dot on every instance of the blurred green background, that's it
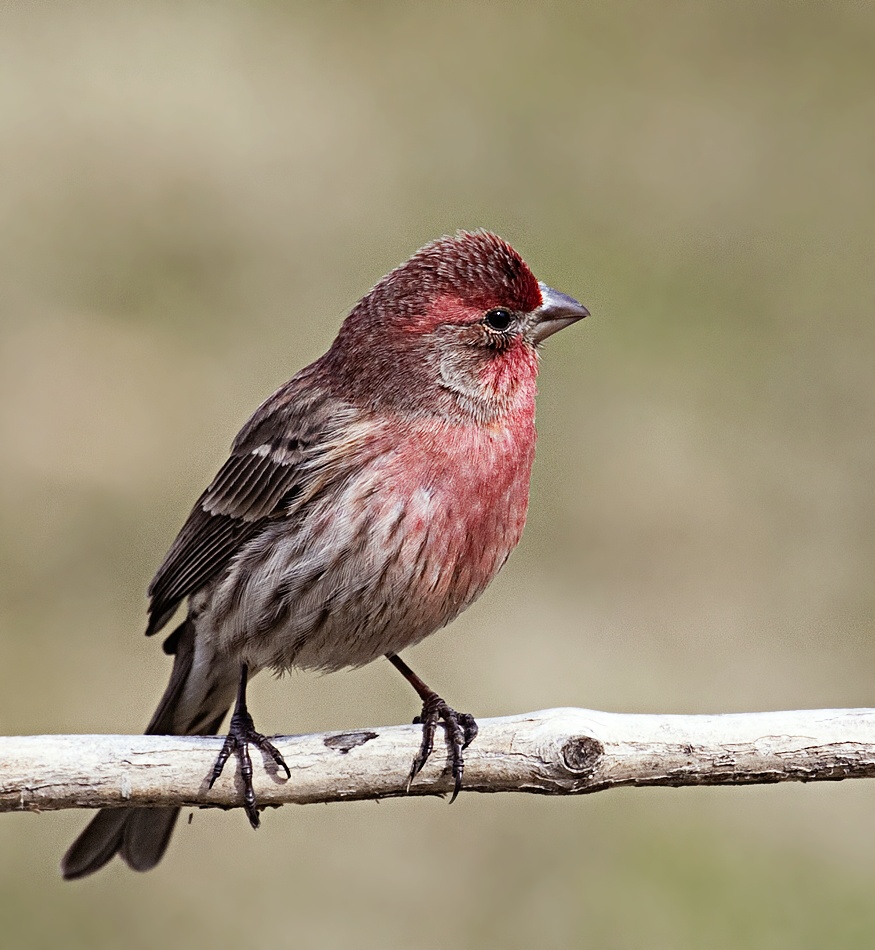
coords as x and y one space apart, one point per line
191 198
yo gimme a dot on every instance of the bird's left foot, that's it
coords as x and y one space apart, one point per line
461 729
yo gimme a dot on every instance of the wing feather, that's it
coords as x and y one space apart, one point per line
267 468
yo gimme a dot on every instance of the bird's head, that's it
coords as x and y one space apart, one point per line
456 326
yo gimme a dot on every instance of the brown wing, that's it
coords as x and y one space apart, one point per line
262 475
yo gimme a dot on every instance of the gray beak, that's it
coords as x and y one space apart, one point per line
555 313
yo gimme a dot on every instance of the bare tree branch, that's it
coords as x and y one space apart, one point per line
553 752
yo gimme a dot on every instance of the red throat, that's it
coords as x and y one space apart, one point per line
510 375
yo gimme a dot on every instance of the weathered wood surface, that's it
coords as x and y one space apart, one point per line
555 751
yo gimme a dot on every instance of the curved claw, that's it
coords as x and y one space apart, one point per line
241 733
461 730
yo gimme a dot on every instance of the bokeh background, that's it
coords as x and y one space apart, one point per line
193 195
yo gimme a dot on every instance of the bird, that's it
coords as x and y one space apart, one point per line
363 506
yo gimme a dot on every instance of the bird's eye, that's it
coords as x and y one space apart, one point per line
498 318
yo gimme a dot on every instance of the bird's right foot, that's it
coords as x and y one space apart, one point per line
242 734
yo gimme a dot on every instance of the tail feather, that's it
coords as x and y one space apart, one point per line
97 844
197 698
147 834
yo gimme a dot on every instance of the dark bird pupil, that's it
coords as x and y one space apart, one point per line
499 319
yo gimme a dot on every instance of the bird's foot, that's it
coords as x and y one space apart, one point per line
242 734
460 729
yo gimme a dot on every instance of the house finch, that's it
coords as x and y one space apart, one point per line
364 505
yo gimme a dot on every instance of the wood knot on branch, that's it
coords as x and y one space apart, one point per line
346 741
582 754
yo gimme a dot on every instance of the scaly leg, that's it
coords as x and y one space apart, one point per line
461 729
241 733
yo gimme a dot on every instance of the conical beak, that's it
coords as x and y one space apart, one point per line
556 312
